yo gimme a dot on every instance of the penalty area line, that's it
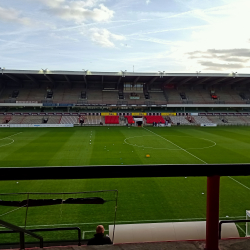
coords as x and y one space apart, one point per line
242 230
10 135
176 145
239 182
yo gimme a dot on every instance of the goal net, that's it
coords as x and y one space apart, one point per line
55 210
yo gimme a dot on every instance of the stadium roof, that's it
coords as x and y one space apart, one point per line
19 77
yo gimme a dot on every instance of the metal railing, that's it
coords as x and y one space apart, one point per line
229 221
22 231
126 171
49 230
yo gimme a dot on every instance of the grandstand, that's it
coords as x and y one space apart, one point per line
179 120
110 101
110 119
154 118
94 120
69 120
130 119
201 119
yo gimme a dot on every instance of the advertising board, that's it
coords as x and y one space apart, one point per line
208 125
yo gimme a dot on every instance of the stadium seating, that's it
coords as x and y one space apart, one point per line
69 120
130 119
112 119
157 97
93 120
201 119
182 120
215 119
54 119
234 120
246 119
109 97
154 118
29 119
173 96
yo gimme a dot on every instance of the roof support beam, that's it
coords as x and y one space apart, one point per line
235 80
68 80
244 82
152 80
85 81
183 81
232 83
169 80
15 79
200 81
2 85
216 81
50 80
136 79
118 82
33 80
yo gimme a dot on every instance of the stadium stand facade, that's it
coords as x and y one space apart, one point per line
31 97
69 95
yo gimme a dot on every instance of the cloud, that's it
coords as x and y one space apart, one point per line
220 66
103 37
78 11
11 15
148 1
221 44
229 55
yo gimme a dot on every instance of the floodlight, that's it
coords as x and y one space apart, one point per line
234 74
123 73
45 70
161 73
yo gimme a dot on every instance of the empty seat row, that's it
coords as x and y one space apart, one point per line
112 119
130 119
154 118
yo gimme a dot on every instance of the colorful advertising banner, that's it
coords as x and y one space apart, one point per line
105 114
167 114
139 114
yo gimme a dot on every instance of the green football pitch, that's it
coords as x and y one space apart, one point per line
140 200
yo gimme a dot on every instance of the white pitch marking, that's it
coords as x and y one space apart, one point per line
142 146
12 135
241 229
239 182
8 139
12 210
133 221
176 145
7 143
83 235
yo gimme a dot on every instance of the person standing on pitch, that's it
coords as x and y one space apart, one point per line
99 238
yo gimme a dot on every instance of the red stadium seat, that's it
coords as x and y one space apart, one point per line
154 118
112 119
130 119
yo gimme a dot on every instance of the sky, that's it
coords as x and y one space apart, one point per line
175 36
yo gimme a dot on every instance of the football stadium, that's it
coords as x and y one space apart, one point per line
130 151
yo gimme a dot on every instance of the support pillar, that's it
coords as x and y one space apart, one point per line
212 223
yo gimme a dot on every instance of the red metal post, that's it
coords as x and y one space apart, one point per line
212 224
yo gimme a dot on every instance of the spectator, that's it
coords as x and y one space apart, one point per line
99 238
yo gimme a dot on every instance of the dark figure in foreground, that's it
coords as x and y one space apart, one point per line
99 238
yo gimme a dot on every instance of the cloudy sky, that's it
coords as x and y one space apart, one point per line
114 35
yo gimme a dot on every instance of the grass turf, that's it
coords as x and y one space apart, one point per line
140 199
